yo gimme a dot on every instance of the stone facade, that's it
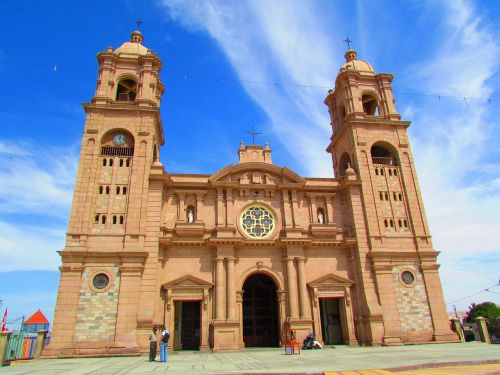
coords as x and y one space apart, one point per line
236 258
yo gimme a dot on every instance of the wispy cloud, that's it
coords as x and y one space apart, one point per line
36 180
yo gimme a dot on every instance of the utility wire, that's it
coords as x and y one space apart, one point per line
185 77
474 294
466 268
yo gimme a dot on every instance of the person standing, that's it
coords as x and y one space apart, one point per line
165 335
153 344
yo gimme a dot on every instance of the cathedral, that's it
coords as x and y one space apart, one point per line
235 259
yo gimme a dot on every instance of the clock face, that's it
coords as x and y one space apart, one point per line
119 140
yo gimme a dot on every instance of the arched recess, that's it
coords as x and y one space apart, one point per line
126 88
260 311
261 269
345 161
370 104
384 153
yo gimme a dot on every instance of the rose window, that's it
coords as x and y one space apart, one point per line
257 222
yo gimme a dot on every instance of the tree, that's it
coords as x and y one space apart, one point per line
488 310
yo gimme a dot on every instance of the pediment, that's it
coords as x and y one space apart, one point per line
256 173
189 282
330 280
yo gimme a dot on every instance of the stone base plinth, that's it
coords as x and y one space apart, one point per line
226 336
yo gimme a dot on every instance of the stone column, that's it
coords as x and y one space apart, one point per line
312 203
329 209
198 207
292 289
229 208
181 216
287 213
304 308
221 214
231 297
483 330
219 288
295 208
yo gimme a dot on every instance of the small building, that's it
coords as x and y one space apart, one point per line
36 322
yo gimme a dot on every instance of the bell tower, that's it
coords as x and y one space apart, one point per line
372 159
106 258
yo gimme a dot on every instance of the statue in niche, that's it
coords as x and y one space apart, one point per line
190 214
321 216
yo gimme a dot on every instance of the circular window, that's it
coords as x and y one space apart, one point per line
407 277
100 281
257 222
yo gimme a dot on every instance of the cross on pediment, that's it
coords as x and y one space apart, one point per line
253 133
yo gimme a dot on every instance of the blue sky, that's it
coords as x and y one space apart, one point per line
447 48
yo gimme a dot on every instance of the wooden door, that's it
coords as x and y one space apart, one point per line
190 336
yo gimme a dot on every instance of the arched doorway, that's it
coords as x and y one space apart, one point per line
260 312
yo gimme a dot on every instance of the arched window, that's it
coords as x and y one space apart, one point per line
391 222
121 162
400 223
320 215
104 162
103 219
110 162
124 190
101 189
381 195
386 196
190 214
127 163
107 189
114 219
381 155
127 90
345 162
121 219
400 196
117 190
376 171
96 219
390 172
394 196
405 223
370 105
395 172
385 223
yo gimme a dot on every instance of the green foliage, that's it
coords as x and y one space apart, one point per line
488 310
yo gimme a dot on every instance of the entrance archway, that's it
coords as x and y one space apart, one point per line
260 312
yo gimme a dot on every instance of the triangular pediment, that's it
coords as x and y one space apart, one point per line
188 281
330 280
256 173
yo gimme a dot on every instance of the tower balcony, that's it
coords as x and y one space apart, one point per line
384 160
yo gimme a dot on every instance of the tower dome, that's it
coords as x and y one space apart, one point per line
134 47
353 64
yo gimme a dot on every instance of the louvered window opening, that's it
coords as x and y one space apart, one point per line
117 151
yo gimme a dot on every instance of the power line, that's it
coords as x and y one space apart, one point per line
466 268
185 77
474 294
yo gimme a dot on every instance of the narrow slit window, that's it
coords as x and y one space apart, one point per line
117 190
385 223
114 219
96 219
107 189
101 189
391 222
381 196
121 162
376 171
110 162
400 196
127 162
395 172
390 172
124 190
405 223
104 162
121 219
400 223
394 196
386 196
103 219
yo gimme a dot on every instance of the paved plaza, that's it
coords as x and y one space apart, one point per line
334 359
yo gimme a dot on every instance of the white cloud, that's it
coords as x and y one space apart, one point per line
35 198
292 42
36 180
